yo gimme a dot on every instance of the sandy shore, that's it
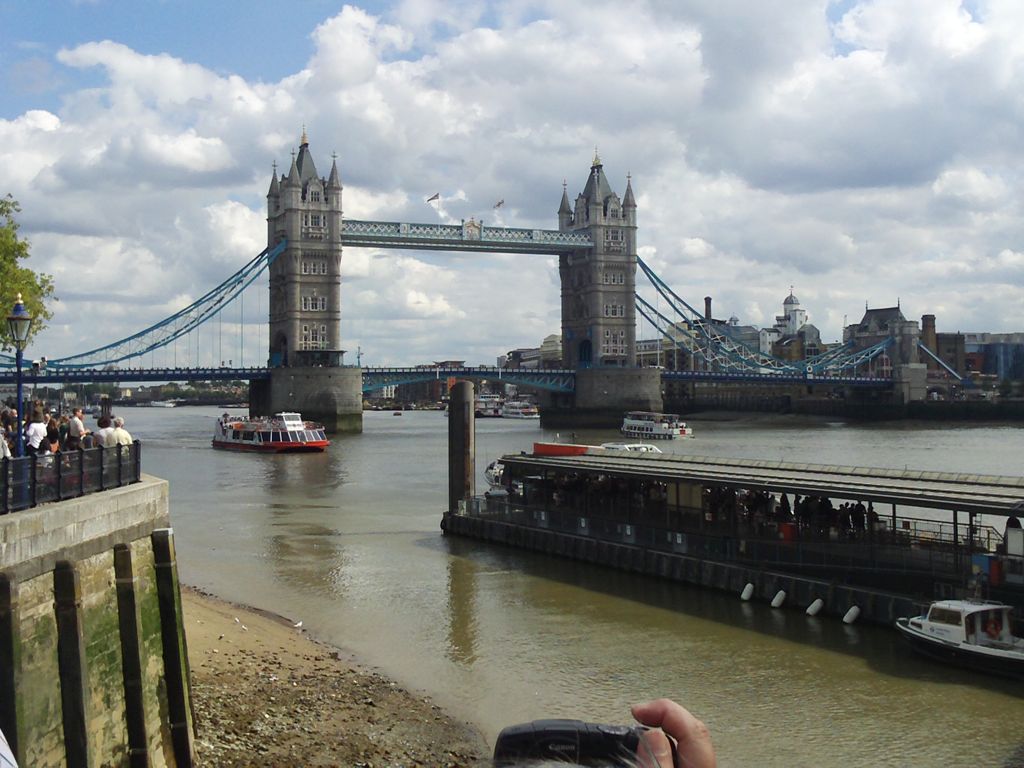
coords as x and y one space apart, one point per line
265 694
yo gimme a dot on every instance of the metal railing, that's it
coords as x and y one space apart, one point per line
41 478
883 551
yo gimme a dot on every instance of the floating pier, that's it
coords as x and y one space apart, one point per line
847 542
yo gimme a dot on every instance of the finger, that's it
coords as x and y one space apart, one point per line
691 735
654 745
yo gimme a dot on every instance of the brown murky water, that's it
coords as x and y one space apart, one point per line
348 541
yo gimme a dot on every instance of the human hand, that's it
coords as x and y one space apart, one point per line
693 740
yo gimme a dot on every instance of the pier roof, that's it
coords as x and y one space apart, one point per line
985 494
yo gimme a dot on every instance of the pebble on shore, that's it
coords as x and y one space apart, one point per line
265 694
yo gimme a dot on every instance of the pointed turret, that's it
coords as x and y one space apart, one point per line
334 182
275 187
307 170
564 210
292 179
629 201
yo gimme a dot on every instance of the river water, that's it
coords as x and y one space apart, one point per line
349 542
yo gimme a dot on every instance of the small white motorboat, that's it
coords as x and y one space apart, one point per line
969 633
632 447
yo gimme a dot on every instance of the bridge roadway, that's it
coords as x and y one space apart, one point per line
552 380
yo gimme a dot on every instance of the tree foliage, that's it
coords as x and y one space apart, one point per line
36 289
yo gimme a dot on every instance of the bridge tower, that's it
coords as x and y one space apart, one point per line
598 304
306 358
305 280
598 310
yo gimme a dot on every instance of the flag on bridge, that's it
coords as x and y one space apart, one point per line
433 197
499 203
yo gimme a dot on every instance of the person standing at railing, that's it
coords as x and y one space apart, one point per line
35 432
101 437
120 435
5 449
76 430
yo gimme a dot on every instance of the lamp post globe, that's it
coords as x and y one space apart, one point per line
19 323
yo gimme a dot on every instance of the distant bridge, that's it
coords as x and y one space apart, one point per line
551 380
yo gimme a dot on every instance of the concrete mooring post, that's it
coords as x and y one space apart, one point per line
461 445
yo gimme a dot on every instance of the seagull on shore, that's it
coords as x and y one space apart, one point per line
297 625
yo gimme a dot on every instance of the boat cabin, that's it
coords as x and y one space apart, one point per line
967 621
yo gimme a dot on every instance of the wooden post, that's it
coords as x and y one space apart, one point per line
175 650
74 685
461 445
128 621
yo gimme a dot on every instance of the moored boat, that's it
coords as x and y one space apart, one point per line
282 433
488 406
517 409
654 426
967 633
631 447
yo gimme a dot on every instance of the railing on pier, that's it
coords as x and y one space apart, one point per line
40 478
922 551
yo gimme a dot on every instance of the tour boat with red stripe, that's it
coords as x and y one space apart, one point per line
281 433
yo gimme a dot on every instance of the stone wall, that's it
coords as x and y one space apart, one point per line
603 395
92 650
331 396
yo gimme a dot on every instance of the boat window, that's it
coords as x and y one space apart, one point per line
293 437
944 616
236 434
265 437
992 623
247 435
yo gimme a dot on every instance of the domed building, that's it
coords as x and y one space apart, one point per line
792 337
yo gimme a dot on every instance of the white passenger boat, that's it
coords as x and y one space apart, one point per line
632 447
649 425
282 433
968 633
517 409
488 406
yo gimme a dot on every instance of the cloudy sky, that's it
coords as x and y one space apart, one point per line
861 152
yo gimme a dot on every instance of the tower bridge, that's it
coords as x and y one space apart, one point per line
596 246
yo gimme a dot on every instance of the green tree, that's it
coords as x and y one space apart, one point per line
36 289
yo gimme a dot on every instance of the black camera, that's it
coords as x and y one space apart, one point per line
569 741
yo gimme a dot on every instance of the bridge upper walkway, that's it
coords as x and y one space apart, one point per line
468 236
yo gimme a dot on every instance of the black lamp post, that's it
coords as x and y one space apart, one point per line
19 322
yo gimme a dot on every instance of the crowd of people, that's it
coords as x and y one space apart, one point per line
45 433
812 514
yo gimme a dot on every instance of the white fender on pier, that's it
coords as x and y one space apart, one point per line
779 599
851 615
747 593
815 608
